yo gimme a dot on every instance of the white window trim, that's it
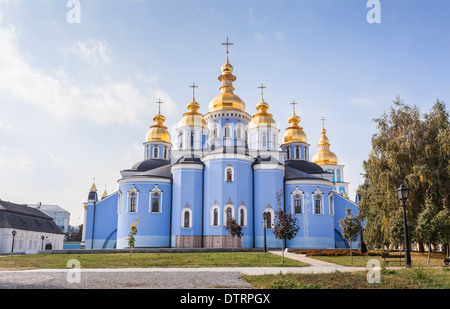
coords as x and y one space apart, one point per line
157 152
270 224
160 193
131 190
232 173
331 203
119 202
314 194
225 208
186 209
215 206
302 199
242 207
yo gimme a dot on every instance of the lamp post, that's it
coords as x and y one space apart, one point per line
402 194
13 234
265 227
42 237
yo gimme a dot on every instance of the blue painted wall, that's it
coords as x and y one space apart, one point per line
100 231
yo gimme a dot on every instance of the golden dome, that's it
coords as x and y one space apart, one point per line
295 133
262 118
158 132
324 155
227 100
192 118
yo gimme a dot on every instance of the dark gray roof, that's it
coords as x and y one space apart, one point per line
190 160
304 166
292 173
163 171
22 217
149 164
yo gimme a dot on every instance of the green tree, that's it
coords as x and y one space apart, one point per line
408 148
131 237
443 227
286 227
427 227
351 227
234 229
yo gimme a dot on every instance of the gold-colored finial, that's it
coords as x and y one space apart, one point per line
294 133
158 132
324 155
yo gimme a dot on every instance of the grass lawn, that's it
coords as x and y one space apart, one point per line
120 260
417 260
413 278
418 277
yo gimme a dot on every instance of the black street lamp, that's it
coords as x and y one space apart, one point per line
13 234
265 227
42 237
403 193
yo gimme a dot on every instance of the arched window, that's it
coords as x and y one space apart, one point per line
241 217
180 140
268 221
288 153
165 152
238 132
331 204
226 132
297 153
317 204
155 152
264 140
192 139
216 217
187 219
156 195
215 133
155 202
297 205
133 195
229 213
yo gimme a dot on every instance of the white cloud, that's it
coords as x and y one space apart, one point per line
94 52
65 98
15 162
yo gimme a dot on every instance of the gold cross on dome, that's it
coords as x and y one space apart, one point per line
323 122
193 89
262 87
227 44
293 105
159 108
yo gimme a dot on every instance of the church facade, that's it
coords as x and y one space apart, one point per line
224 164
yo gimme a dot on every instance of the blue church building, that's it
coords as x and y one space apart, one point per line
224 164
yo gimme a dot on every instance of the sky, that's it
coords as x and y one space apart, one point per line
78 88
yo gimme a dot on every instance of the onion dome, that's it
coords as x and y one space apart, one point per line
324 155
295 133
192 118
158 132
262 118
227 100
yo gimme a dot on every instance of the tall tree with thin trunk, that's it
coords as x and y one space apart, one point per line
235 230
351 227
131 237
